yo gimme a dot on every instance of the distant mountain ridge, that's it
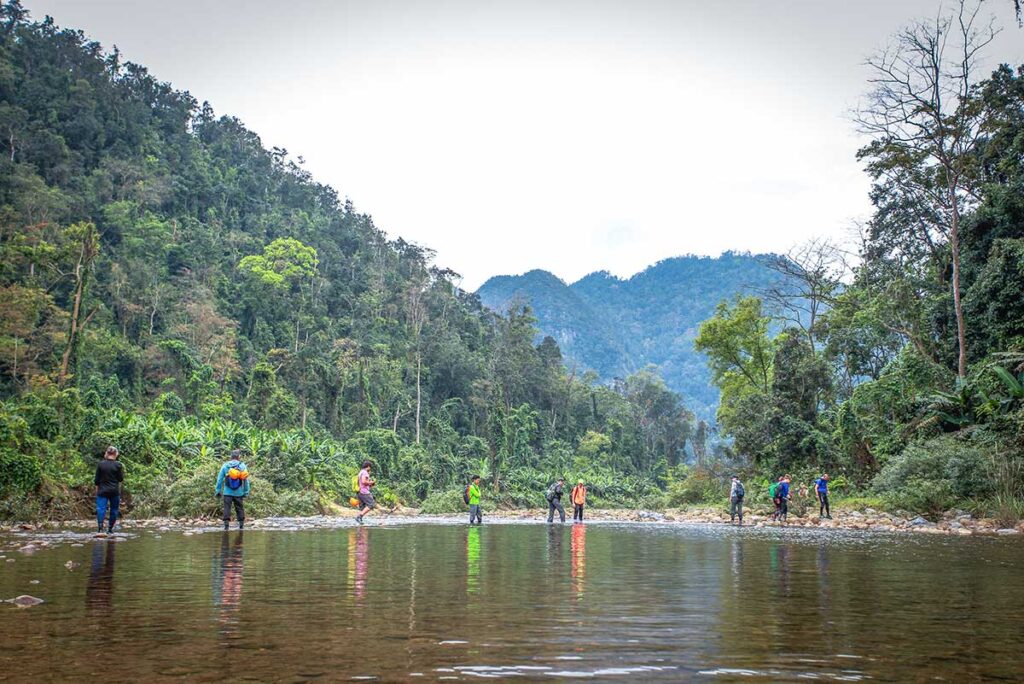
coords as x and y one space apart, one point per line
617 326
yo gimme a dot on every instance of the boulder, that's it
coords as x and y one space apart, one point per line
1007 532
919 521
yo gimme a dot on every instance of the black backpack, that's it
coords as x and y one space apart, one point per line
550 496
740 491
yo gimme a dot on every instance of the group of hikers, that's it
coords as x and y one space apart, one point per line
233 486
779 492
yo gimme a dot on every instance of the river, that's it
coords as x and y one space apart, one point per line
430 601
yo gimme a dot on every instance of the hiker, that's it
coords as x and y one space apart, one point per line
233 485
365 496
736 494
821 487
109 475
554 497
773 492
473 499
783 493
578 497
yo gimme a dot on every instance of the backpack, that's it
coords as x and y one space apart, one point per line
465 494
740 491
773 490
550 495
355 483
236 477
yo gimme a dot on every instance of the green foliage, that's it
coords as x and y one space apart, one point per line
193 497
932 476
440 503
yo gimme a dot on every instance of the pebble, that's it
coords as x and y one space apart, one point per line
33 581
71 565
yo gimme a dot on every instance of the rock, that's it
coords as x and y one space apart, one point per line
71 565
955 525
964 532
28 548
26 601
871 511
33 581
919 521
1007 531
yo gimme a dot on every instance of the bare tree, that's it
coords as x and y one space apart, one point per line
927 123
812 277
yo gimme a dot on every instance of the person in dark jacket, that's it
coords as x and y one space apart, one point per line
554 497
109 476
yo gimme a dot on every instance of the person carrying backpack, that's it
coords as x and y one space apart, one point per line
578 497
364 495
472 497
109 475
821 488
233 485
554 497
783 495
736 494
773 492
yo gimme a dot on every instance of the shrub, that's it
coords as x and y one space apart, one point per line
933 476
695 486
444 502
193 496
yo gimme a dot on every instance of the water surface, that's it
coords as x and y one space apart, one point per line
618 602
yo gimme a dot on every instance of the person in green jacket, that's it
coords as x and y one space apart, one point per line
473 494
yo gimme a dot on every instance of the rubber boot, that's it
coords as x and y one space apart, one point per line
241 524
226 523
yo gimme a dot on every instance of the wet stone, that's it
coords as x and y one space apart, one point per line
26 601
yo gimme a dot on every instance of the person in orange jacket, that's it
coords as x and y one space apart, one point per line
578 496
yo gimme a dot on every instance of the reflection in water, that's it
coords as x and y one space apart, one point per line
736 561
227 588
472 560
579 558
358 561
100 590
780 554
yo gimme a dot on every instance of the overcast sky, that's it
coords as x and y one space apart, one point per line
569 136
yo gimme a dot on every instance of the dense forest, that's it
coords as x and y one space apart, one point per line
169 286
618 326
902 373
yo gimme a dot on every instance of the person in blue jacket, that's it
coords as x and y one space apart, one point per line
821 487
233 485
783 495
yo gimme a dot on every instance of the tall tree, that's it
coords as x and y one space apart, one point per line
927 124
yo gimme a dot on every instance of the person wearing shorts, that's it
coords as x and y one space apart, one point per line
365 495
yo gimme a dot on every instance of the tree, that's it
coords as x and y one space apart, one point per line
927 124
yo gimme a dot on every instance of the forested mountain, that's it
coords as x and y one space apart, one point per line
170 286
616 327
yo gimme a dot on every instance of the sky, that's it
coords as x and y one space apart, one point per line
565 135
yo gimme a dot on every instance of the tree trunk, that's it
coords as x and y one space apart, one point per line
961 328
76 310
419 368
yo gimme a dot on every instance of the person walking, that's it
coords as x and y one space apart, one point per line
821 488
578 497
773 493
109 476
365 495
736 494
554 497
783 493
473 499
233 485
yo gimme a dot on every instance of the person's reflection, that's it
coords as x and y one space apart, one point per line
736 560
781 566
358 562
579 559
472 560
100 589
227 595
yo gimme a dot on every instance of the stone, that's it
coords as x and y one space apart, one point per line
33 581
26 601
71 565
1007 532
919 521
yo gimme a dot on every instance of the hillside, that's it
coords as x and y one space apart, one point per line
616 327
170 286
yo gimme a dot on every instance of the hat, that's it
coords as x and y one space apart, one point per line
580 482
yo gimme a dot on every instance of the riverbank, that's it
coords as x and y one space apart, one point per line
956 522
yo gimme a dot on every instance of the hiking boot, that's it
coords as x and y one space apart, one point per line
226 524
359 519
241 524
